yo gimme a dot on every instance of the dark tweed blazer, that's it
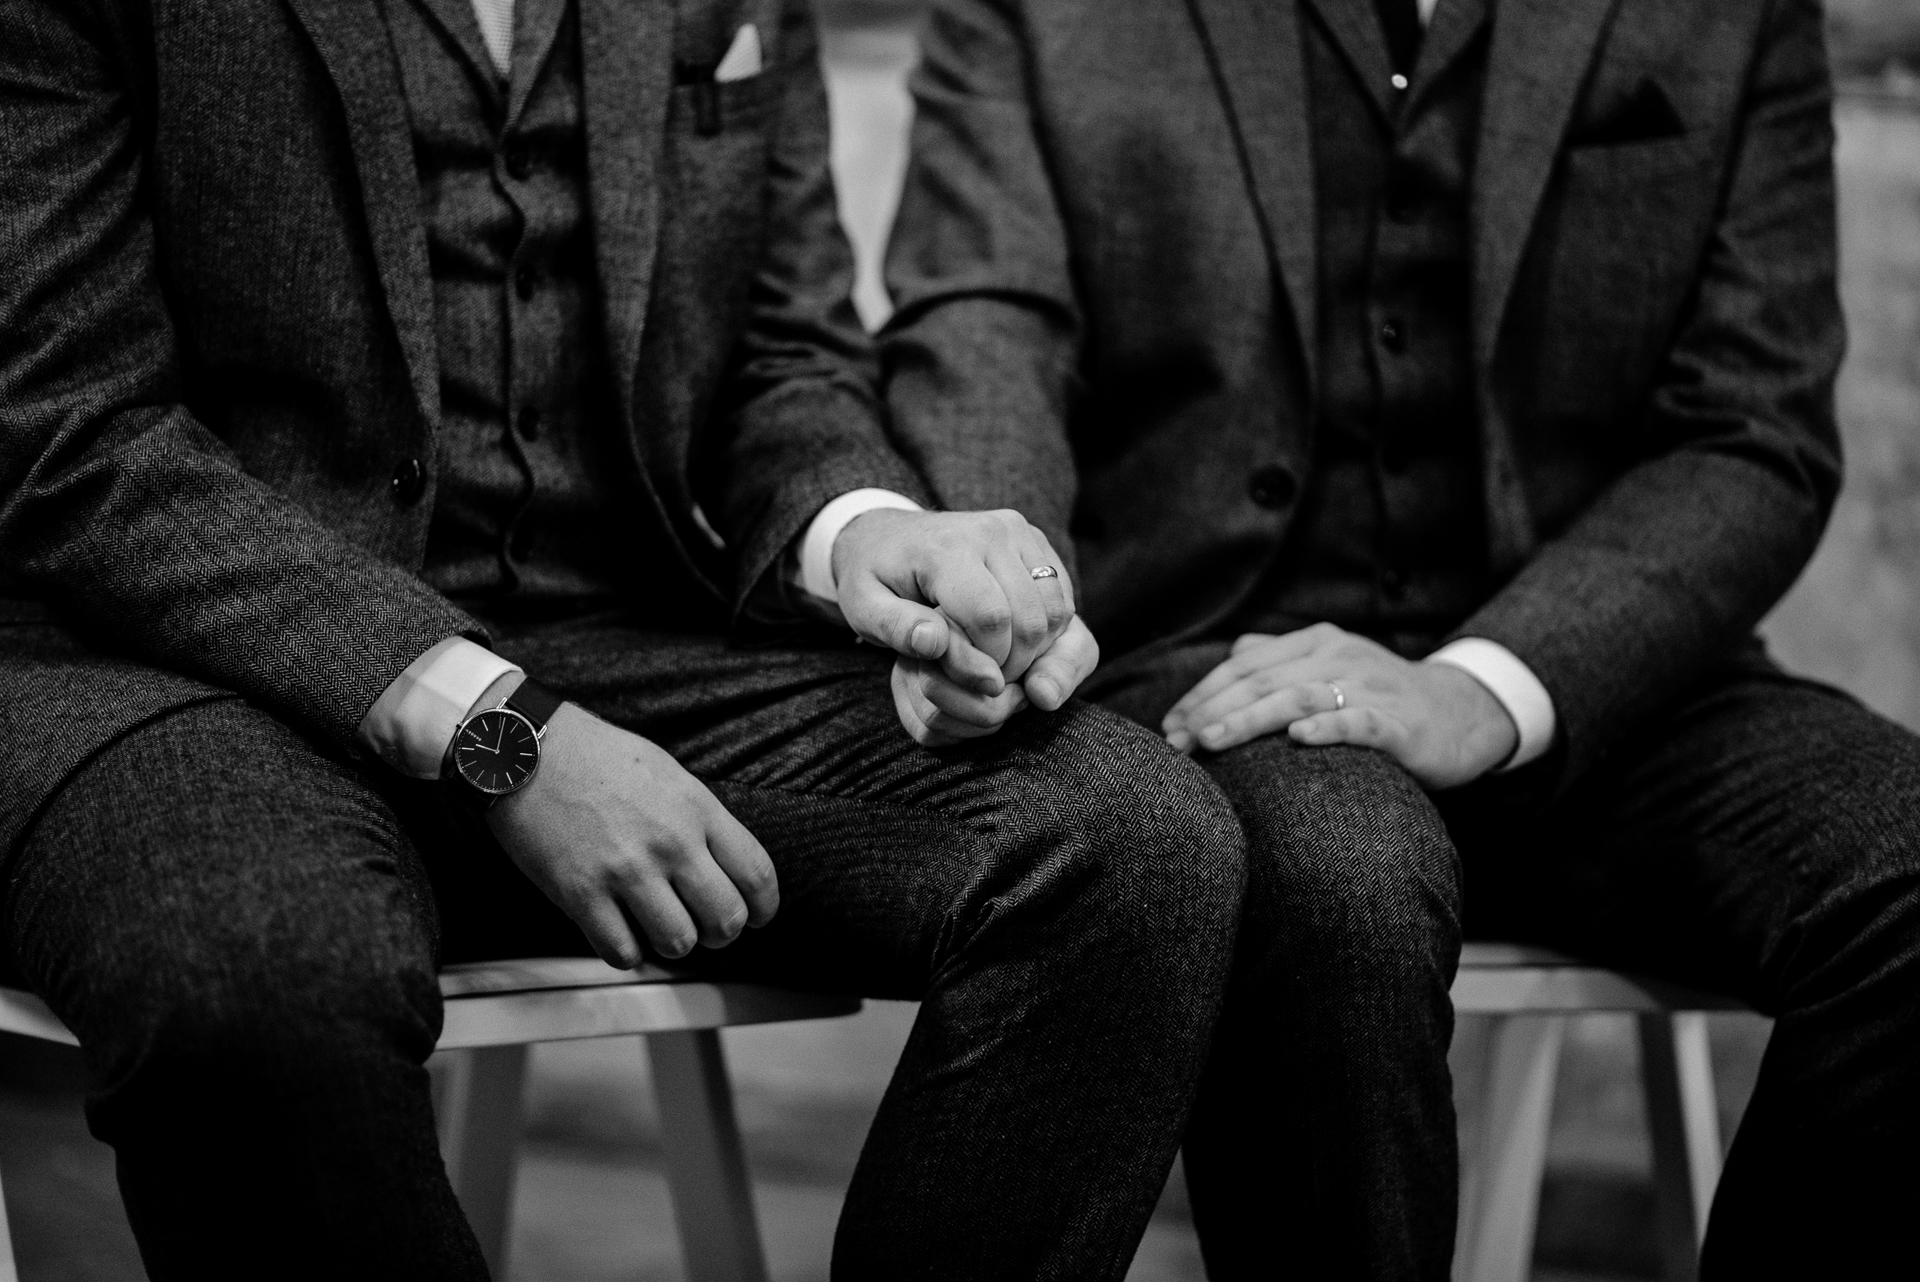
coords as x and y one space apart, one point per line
217 346
1104 266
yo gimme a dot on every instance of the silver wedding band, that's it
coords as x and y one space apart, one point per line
1339 695
1044 572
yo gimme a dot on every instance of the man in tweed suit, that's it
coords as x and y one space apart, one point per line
399 401
1435 396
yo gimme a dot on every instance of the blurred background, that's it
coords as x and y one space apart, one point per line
591 1205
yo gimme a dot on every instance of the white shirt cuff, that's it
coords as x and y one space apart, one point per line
816 547
413 720
1514 685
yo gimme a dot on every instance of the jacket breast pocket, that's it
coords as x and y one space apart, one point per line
708 108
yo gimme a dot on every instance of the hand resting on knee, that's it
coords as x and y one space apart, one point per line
619 834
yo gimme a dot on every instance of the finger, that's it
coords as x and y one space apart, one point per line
1040 552
971 597
967 665
1033 603
1056 674
880 615
1302 693
1265 715
1245 661
718 910
608 932
1247 640
745 862
1366 727
951 703
912 708
655 906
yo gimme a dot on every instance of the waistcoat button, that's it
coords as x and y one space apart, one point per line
529 422
409 481
523 283
1271 487
1393 336
519 165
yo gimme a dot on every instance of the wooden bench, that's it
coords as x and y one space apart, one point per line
1507 1062
496 1010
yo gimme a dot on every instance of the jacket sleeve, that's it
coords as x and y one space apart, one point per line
1677 561
118 509
981 359
802 421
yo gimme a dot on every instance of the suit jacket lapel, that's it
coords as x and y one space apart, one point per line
1535 70
1256 53
1356 29
353 42
626 51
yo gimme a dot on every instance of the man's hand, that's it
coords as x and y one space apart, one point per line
955 589
1440 723
937 711
618 834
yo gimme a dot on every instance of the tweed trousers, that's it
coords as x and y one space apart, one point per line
243 932
1759 837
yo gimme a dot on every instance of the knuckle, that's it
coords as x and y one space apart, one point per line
995 618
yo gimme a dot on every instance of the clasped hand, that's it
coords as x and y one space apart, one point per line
953 595
1323 685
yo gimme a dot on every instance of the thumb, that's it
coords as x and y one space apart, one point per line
905 627
1247 640
1056 674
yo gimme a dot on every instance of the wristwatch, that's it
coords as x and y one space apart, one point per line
496 752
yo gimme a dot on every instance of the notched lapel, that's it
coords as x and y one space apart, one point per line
353 43
1535 69
1255 48
626 52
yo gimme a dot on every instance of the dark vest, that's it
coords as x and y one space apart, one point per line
531 477
1390 537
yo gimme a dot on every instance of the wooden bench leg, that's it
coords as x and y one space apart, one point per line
480 1140
8 1273
1676 1068
706 1169
1501 1194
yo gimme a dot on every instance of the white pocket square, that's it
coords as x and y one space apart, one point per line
743 56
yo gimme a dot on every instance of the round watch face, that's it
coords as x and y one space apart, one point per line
497 751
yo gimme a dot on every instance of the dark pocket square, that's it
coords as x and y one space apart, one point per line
1645 115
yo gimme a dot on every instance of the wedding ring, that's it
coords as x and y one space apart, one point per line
1339 695
1044 572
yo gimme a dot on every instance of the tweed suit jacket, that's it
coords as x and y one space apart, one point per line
217 344
1104 265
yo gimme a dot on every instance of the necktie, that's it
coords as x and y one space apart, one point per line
1400 20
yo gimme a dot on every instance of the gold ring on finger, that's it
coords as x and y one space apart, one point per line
1044 572
1339 695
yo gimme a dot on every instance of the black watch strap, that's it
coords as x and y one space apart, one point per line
535 702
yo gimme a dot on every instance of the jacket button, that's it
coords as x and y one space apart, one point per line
409 481
529 422
1394 581
519 165
523 283
1393 335
1272 487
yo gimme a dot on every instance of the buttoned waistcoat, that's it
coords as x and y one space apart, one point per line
219 394
1106 271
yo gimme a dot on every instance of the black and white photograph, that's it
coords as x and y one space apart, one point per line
960 640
